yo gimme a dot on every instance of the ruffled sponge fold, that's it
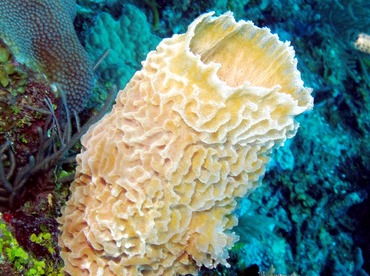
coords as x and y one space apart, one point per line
159 176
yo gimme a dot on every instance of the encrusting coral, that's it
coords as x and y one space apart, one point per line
42 33
127 47
159 176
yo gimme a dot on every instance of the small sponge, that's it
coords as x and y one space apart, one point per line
42 32
363 43
158 179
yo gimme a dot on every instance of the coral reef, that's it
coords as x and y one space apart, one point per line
158 178
310 216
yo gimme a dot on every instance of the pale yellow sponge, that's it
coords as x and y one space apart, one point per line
363 43
159 176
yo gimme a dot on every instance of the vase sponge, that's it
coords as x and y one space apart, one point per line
159 176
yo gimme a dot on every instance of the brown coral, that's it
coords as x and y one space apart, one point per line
42 32
193 130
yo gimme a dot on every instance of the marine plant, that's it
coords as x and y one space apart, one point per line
152 4
14 259
55 140
25 120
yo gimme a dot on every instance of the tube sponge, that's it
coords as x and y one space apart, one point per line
159 176
42 33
